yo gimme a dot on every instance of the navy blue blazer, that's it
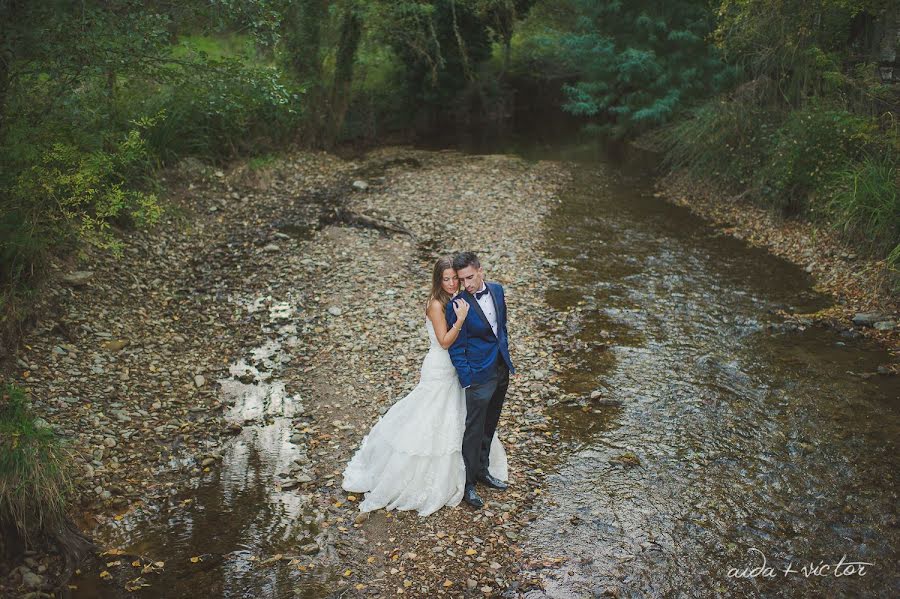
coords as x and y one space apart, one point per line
476 348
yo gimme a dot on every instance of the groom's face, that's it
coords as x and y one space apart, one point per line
471 278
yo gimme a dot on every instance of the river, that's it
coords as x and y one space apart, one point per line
720 439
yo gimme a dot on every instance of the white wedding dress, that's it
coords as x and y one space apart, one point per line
411 459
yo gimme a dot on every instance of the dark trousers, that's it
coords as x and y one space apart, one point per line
483 404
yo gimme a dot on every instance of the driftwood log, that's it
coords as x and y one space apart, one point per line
356 219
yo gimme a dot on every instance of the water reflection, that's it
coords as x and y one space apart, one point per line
247 505
712 432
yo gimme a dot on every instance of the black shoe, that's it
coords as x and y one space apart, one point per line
492 482
471 497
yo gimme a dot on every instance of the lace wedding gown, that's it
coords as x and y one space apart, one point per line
411 459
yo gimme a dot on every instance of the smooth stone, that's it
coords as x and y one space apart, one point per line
867 319
78 278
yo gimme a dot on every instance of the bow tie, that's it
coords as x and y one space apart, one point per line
480 294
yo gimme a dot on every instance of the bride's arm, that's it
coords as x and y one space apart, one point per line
445 336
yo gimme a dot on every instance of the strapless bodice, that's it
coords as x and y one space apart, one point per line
437 362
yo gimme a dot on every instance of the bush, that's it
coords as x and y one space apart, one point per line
725 140
218 110
69 193
35 480
810 146
865 204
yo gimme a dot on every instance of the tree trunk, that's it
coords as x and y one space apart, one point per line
302 37
888 44
341 87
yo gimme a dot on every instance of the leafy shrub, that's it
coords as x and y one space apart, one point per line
219 110
808 147
724 139
69 193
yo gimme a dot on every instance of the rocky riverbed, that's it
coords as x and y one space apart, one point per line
289 300
215 379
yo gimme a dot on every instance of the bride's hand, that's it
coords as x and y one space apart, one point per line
461 307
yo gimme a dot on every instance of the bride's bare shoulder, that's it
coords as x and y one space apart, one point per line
433 307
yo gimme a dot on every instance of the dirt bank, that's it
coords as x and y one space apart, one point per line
864 304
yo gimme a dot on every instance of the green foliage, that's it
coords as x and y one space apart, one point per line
808 148
219 109
35 480
70 193
638 63
440 43
378 100
727 140
801 46
864 204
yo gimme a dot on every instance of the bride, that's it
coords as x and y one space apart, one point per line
411 459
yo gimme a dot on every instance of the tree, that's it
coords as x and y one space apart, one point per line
638 62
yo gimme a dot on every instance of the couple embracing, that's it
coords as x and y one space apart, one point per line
433 445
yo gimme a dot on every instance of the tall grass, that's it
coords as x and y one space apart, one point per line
725 140
35 471
865 204
824 163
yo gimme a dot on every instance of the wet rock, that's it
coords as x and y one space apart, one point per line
867 319
885 325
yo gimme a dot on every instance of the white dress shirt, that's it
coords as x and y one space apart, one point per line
487 306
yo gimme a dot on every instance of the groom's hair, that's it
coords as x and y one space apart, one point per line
464 259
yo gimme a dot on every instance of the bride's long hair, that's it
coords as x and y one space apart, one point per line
437 277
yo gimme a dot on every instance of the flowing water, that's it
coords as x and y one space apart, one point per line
717 437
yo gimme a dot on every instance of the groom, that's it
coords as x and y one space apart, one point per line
481 357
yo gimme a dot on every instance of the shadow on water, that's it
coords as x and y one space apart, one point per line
716 435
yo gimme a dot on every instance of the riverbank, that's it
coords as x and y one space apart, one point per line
864 305
132 361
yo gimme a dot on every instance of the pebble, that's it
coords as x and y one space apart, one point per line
30 579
